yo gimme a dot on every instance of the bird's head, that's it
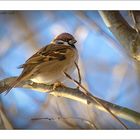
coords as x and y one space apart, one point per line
64 39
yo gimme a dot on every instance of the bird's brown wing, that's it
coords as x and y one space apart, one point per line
47 54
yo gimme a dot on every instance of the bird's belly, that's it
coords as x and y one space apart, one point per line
53 72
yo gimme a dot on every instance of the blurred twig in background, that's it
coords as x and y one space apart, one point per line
91 124
94 26
128 37
136 19
125 34
4 122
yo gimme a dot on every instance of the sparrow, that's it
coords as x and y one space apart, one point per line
50 62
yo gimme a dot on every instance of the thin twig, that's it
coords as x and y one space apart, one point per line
66 118
96 100
60 113
79 74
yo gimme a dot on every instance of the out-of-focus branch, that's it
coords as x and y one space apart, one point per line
4 122
136 19
128 37
77 95
83 17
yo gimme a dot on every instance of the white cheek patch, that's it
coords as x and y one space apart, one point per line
66 43
61 43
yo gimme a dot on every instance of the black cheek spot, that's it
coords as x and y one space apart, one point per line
60 43
50 59
62 57
73 46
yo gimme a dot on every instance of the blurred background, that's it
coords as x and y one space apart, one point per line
106 70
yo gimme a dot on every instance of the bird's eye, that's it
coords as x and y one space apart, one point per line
59 42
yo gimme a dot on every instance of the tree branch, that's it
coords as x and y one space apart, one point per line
77 95
136 19
128 37
92 25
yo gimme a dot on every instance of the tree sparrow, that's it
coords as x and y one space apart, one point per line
50 62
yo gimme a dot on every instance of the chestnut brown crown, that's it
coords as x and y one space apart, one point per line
66 37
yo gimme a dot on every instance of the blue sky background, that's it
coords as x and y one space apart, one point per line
106 69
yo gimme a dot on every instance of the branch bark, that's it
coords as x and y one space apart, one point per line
128 37
77 95
136 19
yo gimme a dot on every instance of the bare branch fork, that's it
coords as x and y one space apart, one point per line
96 100
90 95
77 95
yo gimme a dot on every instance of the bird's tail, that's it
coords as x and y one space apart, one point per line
10 86
16 82
3 89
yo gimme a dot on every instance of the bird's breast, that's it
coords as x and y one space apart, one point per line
52 71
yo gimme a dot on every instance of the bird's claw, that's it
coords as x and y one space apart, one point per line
57 84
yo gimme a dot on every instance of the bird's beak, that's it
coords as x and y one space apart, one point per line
72 42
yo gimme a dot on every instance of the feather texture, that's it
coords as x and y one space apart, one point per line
48 62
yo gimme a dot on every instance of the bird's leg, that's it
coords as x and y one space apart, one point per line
79 75
57 84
